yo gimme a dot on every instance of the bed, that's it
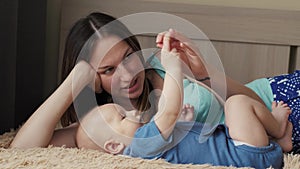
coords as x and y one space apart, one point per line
61 157
263 45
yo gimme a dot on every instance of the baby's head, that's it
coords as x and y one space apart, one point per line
108 128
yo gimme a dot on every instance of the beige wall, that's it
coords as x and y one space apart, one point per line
260 4
259 34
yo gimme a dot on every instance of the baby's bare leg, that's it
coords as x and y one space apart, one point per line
187 113
251 122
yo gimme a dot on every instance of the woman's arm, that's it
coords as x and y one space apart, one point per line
39 128
65 136
170 102
222 84
200 69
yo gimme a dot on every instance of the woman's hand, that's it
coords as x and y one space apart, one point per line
86 74
193 59
187 50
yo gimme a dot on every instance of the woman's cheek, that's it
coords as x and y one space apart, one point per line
114 84
106 83
136 67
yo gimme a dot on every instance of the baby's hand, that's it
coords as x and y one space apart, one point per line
133 115
187 113
170 57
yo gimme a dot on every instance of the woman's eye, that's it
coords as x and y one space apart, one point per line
128 55
109 70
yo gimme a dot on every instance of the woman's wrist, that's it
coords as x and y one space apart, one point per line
203 79
82 74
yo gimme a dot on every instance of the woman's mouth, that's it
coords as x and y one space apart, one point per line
133 86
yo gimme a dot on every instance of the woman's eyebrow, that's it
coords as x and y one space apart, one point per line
125 54
103 67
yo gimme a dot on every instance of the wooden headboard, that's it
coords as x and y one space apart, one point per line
251 42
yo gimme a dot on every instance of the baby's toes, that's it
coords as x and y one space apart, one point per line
274 104
289 111
183 111
281 104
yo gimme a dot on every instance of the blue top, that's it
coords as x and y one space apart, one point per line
183 146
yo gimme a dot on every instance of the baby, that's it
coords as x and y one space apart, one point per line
88 136
117 128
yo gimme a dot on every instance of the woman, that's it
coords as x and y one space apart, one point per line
87 72
115 44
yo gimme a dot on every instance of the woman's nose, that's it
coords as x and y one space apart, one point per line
124 73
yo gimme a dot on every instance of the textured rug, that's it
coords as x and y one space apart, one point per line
65 158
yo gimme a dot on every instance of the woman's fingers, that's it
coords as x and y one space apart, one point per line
159 39
98 88
188 47
91 78
177 40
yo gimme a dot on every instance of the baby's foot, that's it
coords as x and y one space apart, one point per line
187 113
286 140
281 112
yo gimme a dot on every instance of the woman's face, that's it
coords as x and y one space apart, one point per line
119 67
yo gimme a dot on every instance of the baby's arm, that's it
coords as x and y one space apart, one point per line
170 103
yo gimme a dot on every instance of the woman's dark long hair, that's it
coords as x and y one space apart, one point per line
80 34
